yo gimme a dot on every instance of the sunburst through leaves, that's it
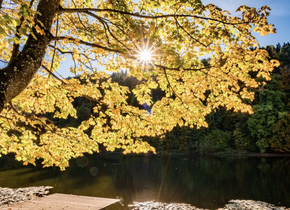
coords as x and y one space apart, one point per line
146 54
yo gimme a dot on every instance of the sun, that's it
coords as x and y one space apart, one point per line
145 55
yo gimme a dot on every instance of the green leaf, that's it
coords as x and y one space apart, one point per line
7 18
18 22
2 31
22 31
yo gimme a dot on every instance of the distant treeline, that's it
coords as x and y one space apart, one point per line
267 130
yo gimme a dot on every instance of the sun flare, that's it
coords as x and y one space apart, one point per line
145 55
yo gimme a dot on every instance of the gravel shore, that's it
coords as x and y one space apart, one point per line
9 196
232 205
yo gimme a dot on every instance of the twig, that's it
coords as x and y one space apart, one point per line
52 74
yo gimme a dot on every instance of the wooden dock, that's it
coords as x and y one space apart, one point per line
64 202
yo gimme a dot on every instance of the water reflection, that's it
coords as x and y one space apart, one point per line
205 182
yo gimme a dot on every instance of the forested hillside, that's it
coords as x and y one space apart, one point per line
267 130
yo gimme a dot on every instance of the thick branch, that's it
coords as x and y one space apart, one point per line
85 10
17 75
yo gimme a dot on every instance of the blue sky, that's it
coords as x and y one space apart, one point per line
279 16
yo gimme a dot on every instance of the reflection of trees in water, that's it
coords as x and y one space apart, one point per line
207 182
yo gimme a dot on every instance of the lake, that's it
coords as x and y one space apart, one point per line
203 181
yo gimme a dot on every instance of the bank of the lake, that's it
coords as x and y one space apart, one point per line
202 181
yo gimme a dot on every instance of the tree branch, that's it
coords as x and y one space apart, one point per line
70 52
3 61
105 28
185 69
79 15
110 32
33 117
75 40
15 50
53 56
170 87
15 77
85 10
189 34
52 74
104 21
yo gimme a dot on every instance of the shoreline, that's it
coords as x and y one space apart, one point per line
231 205
198 154
11 196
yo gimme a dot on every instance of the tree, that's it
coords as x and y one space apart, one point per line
35 36
270 109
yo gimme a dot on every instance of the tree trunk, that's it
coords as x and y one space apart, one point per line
17 75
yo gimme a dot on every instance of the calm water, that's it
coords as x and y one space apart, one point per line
206 182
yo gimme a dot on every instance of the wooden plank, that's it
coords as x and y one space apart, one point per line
63 201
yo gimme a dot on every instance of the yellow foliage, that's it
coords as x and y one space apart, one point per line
101 35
